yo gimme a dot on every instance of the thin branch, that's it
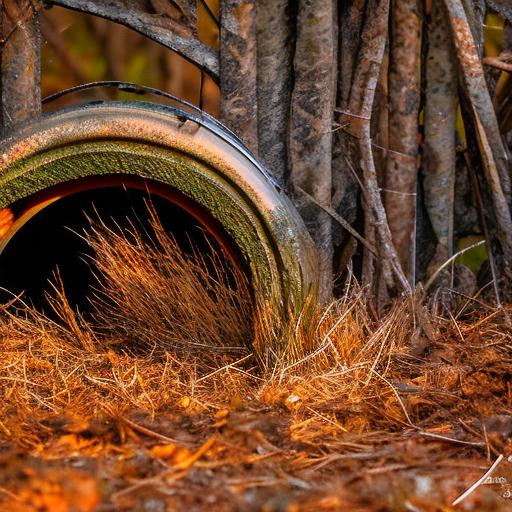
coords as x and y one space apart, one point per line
209 12
429 283
338 218
480 481
483 222
366 76
497 63
476 89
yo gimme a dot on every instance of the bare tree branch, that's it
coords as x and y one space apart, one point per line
503 7
503 63
184 12
358 118
440 123
493 152
476 88
344 182
404 102
275 78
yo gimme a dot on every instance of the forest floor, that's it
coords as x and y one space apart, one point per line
336 409
233 439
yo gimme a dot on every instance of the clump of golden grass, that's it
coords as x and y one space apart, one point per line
154 296
161 317
343 382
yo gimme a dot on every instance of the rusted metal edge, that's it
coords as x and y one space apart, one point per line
158 142
200 116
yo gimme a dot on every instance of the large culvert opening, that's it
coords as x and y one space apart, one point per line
47 234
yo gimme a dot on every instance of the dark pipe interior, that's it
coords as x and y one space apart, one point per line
50 240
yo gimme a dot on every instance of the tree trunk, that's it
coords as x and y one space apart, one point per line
239 107
20 63
312 109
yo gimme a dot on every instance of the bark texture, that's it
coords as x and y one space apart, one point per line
344 182
358 118
504 7
440 123
345 102
173 28
275 39
238 69
476 87
311 121
404 102
493 153
20 63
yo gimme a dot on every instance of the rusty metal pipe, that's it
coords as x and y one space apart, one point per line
174 150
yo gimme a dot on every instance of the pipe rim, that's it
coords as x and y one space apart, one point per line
177 148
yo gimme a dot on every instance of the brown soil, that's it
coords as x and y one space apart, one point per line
336 409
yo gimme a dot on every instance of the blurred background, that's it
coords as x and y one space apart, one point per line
79 48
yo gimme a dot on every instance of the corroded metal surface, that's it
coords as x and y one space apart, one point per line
168 146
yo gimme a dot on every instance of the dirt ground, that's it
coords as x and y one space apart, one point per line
232 439
153 404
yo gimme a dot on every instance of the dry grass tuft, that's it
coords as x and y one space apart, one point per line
340 398
153 296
